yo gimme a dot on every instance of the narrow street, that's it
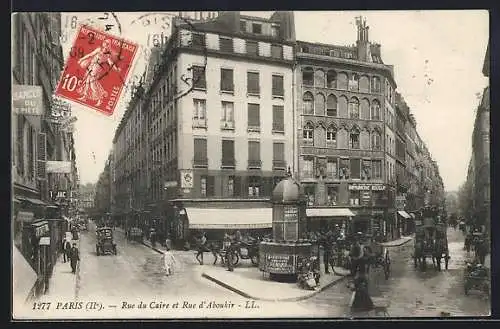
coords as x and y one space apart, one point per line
412 292
135 274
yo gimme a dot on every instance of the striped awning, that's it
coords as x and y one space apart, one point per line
220 218
329 212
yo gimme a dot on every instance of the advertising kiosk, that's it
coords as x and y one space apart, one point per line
282 256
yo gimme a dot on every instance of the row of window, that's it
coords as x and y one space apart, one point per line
332 137
269 29
237 186
331 79
227 81
341 168
355 197
341 107
228 154
226 44
227 116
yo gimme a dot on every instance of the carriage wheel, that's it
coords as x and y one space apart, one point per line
387 266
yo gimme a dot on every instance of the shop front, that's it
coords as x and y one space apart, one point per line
215 222
322 219
405 221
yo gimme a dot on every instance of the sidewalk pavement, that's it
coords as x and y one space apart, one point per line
398 242
62 283
250 282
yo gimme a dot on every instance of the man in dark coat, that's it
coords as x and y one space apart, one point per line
327 248
74 258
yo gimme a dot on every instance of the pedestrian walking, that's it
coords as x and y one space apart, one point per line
327 250
169 262
201 248
74 258
66 249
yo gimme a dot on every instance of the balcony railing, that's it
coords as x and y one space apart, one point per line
228 163
199 123
227 125
200 162
278 127
254 164
279 164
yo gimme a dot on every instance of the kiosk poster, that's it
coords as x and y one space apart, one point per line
151 150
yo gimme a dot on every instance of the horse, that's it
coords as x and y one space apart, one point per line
216 249
419 255
440 249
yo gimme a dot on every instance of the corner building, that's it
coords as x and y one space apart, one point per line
227 141
340 132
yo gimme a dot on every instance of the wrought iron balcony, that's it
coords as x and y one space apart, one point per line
279 164
228 163
200 162
254 164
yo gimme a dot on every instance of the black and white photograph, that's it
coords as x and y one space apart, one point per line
250 165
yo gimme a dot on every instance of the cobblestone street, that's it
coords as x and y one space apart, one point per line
412 292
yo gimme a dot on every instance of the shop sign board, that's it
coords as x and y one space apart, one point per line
291 214
45 241
367 187
27 99
280 263
186 178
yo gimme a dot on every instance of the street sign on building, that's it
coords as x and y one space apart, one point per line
27 99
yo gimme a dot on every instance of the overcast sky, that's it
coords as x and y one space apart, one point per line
437 57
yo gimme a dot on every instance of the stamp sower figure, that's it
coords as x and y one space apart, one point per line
91 87
74 258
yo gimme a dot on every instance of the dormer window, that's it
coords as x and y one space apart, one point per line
243 26
275 30
256 28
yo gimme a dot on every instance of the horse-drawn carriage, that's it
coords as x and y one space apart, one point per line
105 243
430 240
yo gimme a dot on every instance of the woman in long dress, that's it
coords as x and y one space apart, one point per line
91 88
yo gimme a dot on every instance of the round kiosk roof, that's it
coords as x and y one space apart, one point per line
288 190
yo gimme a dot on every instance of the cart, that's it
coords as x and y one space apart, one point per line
105 244
377 256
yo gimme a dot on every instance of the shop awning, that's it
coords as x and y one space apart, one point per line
404 214
23 276
329 212
248 218
37 202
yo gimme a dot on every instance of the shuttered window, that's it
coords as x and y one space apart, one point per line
226 44
199 80
226 80
200 152
210 186
252 48
253 85
254 151
277 51
253 116
278 118
20 144
237 186
355 168
278 86
228 153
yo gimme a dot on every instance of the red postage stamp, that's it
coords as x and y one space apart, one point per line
96 69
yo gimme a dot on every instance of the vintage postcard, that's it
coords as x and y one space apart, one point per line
307 164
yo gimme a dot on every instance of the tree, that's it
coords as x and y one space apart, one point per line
465 200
